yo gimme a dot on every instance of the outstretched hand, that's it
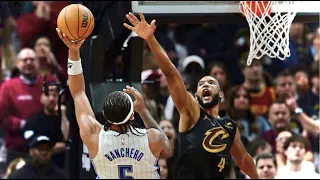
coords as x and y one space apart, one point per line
138 104
142 28
291 101
72 45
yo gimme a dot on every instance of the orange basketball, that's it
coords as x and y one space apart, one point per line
76 21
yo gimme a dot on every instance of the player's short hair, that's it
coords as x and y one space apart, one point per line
266 156
295 138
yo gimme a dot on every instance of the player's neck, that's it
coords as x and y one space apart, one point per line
214 112
117 128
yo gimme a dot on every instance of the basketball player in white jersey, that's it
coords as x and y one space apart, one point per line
118 149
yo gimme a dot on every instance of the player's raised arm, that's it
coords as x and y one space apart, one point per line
84 113
182 99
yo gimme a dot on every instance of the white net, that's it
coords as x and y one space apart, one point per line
269 32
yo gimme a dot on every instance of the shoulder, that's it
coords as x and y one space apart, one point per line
23 173
228 121
153 134
8 83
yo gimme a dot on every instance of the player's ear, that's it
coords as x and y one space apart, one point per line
132 116
195 96
221 94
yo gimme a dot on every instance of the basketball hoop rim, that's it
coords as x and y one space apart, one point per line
297 6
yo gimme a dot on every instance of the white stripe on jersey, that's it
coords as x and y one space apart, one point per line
124 156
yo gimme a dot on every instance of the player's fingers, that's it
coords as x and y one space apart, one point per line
142 17
128 26
130 19
135 19
133 92
59 33
65 38
153 23
136 91
81 42
127 91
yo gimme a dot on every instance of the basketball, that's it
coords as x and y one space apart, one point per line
76 22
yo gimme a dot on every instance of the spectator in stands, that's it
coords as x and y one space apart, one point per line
261 95
47 60
48 122
284 85
266 166
315 86
8 44
39 165
164 170
219 71
239 101
314 50
279 117
312 126
41 19
15 165
193 68
280 156
280 120
150 83
297 44
148 61
20 98
295 149
170 132
307 100
164 90
308 123
259 146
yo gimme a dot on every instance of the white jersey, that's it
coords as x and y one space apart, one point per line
125 156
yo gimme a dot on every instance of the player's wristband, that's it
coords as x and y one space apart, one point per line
74 67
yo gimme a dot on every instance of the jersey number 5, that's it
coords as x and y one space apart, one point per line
123 170
221 164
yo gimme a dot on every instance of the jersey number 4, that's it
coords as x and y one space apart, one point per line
221 164
123 171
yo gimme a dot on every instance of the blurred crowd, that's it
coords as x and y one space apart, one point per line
274 102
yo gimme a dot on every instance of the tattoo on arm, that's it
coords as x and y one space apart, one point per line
149 121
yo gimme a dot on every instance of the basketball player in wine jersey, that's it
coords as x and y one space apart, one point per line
118 149
206 141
